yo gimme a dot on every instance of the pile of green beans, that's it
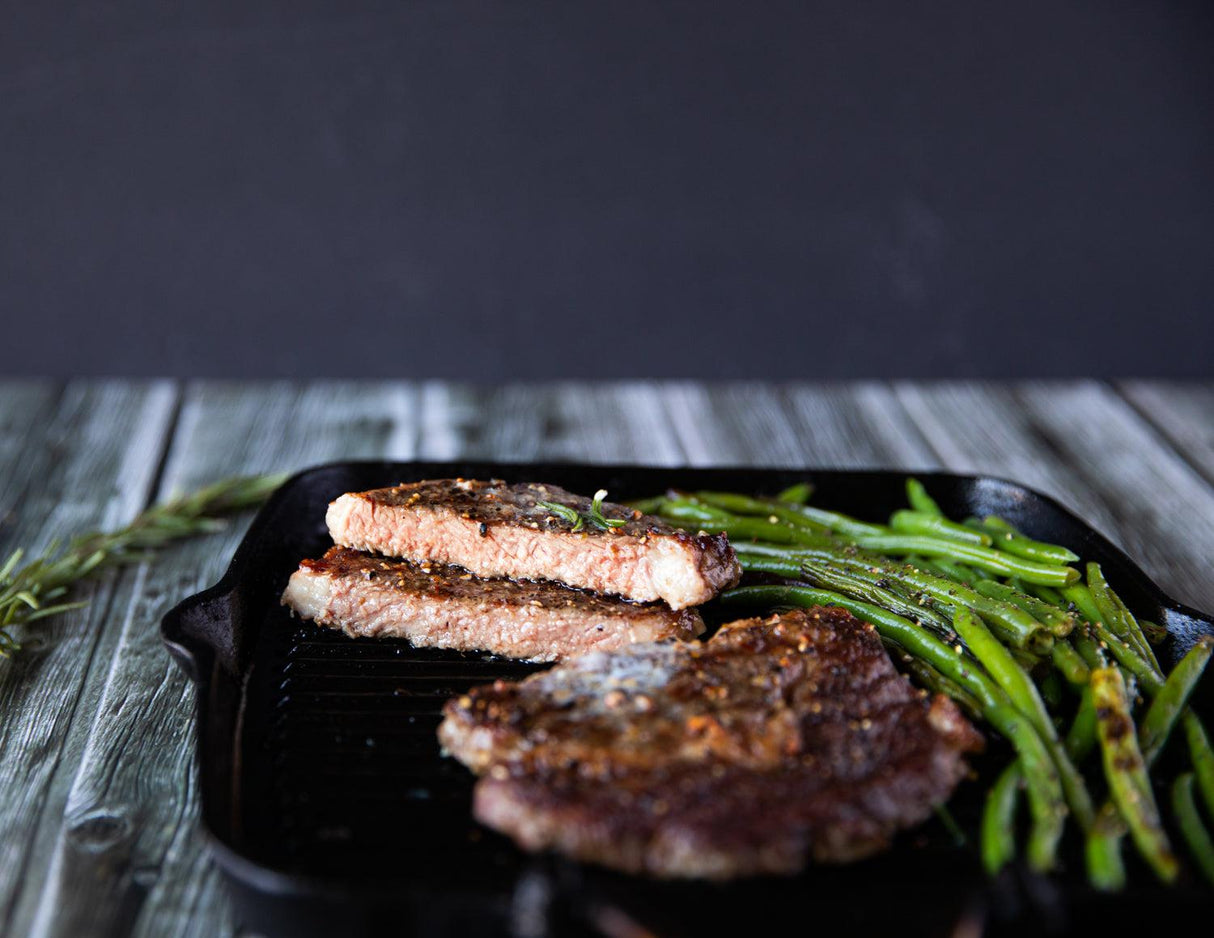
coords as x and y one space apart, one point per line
1040 649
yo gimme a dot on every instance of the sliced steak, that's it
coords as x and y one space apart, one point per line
500 530
447 607
774 741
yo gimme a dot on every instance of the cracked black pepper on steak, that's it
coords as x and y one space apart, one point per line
775 741
495 529
441 606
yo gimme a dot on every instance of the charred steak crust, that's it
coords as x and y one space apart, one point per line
776 740
448 607
497 529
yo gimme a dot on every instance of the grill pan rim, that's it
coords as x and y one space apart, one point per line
208 633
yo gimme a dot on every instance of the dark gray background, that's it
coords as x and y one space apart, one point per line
526 190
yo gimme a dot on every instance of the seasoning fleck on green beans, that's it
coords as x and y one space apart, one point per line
918 522
1002 624
1009 539
1125 771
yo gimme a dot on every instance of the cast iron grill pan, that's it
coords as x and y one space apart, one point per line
330 810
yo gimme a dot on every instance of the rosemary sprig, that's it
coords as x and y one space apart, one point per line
594 517
37 589
564 512
596 513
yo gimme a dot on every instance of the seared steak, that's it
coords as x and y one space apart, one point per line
774 741
500 530
447 607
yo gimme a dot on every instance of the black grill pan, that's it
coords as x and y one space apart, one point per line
329 809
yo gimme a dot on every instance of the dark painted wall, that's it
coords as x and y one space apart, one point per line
525 190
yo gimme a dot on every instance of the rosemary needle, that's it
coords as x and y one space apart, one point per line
39 588
594 517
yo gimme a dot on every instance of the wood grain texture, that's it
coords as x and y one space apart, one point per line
1184 413
1084 445
124 855
90 466
856 426
96 747
795 425
1161 505
620 422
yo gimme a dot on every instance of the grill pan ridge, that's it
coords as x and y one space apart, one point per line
329 809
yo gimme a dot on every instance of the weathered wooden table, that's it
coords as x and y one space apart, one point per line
98 822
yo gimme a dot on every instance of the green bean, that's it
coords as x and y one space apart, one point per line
958 572
1049 685
1191 828
647 506
742 529
1172 698
1088 649
682 508
1161 717
919 500
804 515
831 578
918 522
1201 756
1081 597
1152 683
1026 659
1023 693
984 558
1102 851
1070 664
730 505
927 676
926 566
1009 539
943 569
798 552
755 563
1128 657
999 819
1125 771
1047 801
968 587
796 494
1081 737
1044 593
1118 622
1019 628
1136 630
1060 623
1155 634
918 641
1020 635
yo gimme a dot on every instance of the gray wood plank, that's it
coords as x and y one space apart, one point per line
1163 508
1184 413
27 409
856 426
114 843
126 856
735 424
1082 444
612 423
575 422
91 467
465 422
795 425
